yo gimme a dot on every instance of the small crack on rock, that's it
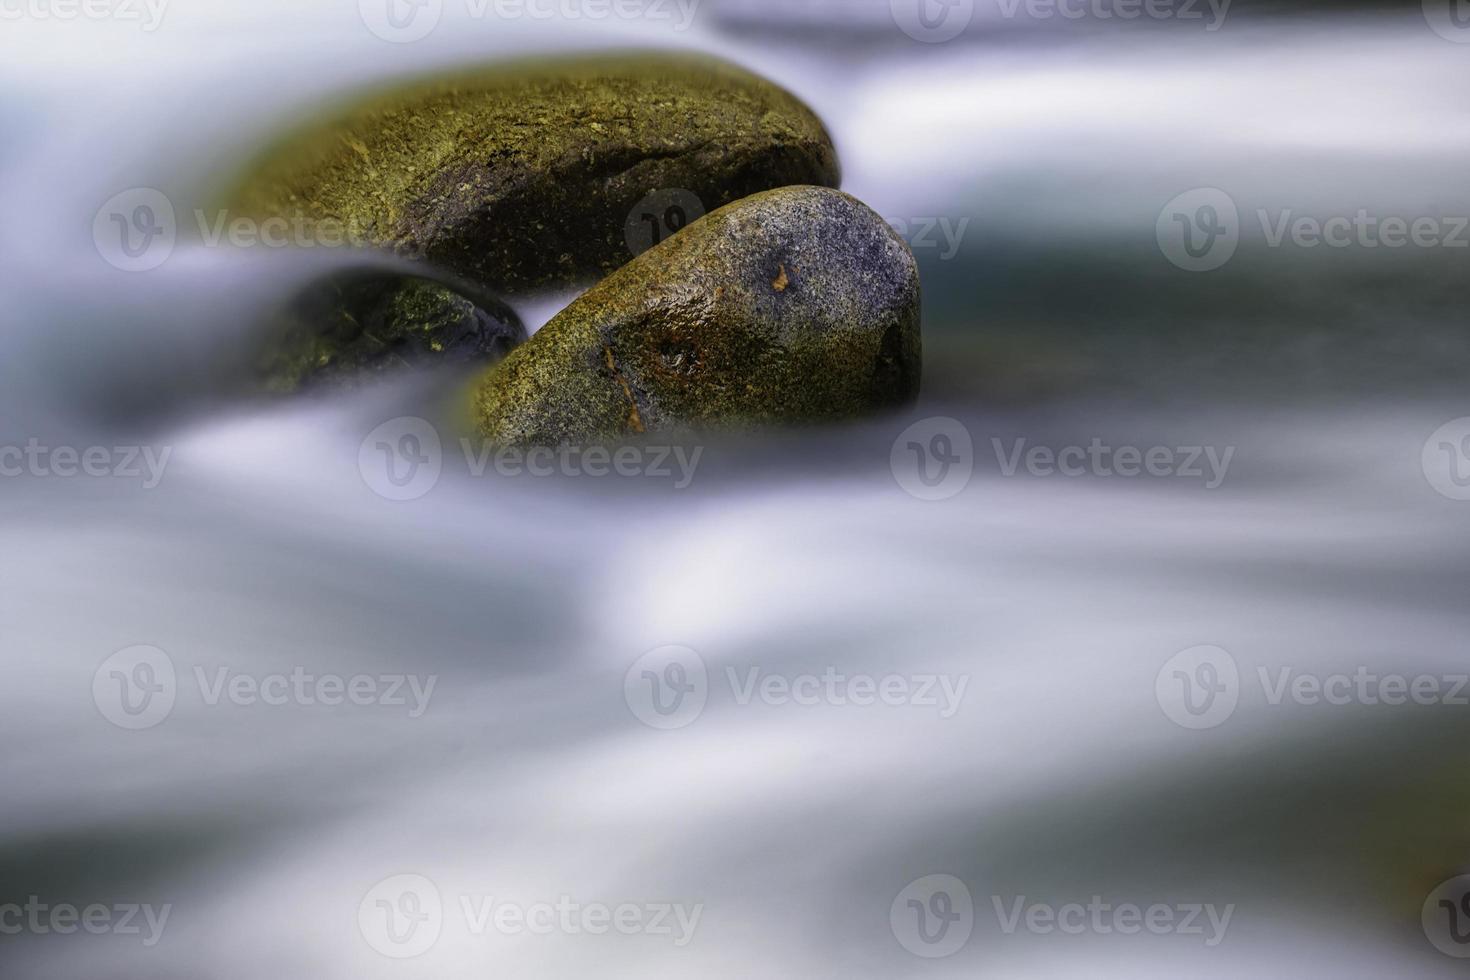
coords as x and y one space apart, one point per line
635 421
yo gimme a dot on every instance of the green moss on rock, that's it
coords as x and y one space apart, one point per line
793 306
524 175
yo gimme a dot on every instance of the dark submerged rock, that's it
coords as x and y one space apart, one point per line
350 326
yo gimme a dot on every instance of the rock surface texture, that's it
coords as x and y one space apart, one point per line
527 175
797 305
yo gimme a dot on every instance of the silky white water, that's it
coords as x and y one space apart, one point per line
1027 618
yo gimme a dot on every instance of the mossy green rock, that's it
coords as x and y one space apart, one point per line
797 305
525 175
355 324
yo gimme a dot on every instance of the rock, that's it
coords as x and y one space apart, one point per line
798 305
354 324
525 176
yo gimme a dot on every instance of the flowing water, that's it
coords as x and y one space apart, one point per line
1036 753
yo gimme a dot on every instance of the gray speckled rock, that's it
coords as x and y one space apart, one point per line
525 175
796 305
354 324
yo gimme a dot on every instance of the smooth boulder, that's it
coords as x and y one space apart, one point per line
528 175
798 305
355 324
